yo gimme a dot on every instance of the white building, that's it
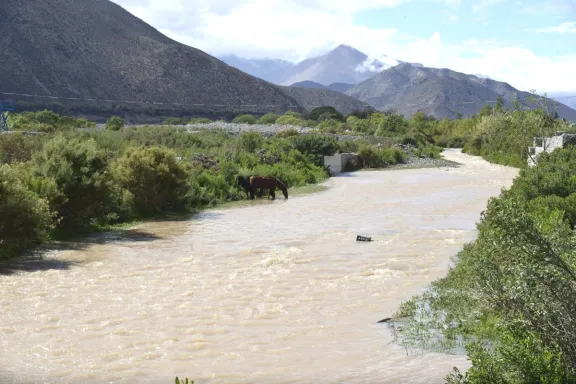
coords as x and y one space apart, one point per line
548 144
337 163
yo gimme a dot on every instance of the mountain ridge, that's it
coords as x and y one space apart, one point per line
439 92
89 49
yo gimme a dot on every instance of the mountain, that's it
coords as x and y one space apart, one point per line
566 98
341 87
441 93
308 84
272 70
343 64
94 49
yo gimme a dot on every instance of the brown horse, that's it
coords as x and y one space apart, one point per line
270 183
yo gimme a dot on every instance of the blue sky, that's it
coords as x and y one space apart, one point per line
512 21
531 44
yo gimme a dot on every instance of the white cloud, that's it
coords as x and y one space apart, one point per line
568 27
297 29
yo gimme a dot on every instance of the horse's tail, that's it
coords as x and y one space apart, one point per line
283 188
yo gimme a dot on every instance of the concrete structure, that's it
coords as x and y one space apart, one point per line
337 163
549 144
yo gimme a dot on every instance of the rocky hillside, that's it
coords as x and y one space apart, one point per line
408 89
310 97
94 49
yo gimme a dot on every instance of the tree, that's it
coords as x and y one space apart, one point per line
79 168
115 123
26 218
154 177
326 113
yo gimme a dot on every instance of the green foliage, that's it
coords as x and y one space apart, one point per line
45 121
287 119
269 118
244 119
18 147
372 157
26 218
315 145
199 120
326 113
115 123
287 133
79 168
175 121
155 178
250 141
511 292
330 126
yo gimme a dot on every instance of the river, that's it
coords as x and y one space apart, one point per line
263 292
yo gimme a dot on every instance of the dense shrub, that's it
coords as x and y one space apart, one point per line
199 120
288 133
115 123
288 120
45 121
85 189
315 145
250 141
326 113
155 178
244 119
175 121
269 118
26 218
510 294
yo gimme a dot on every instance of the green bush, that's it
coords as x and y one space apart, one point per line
155 178
269 118
288 120
115 123
330 126
250 141
326 113
315 145
199 120
26 218
79 169
288 133
510 295
244 119
18 148
175 121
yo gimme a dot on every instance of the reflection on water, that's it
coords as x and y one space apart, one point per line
269 291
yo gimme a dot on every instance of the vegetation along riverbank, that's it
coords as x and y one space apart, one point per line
509 297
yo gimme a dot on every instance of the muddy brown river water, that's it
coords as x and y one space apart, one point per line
265 292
